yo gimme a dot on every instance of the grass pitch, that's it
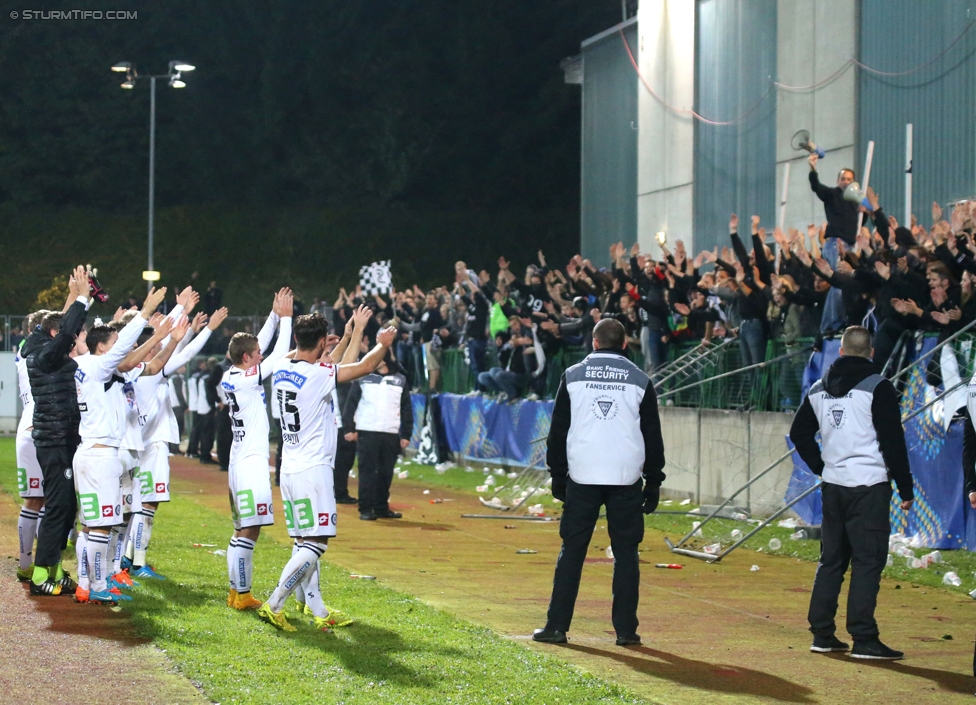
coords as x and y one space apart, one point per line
400 650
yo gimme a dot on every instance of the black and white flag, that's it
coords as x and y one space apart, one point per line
376 278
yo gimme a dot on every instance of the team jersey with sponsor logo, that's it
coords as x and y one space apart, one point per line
26 397
244 390
125 392
102 420
303 393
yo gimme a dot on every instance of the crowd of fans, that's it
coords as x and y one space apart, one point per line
886 276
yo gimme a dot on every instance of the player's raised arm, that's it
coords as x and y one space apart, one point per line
129 335
284 309
266 334
184 356
359 320
384 339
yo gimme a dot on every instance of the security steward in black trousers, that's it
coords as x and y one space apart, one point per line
969 459
604 438
345 452
51 372
856 412
378 415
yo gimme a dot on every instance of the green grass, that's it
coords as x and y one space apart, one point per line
400 650
675 526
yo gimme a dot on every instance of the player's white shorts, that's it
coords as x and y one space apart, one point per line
249 483
131 486
154 472
30 479
98 483
309 499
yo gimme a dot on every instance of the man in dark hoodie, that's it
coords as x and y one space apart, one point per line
857 414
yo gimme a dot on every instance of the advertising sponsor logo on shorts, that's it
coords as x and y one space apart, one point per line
262 509
323 519
160 487
108 510
35 483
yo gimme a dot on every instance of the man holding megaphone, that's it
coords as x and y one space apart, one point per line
841 224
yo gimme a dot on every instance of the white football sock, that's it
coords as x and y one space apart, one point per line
27 532
113 550
294 572
98 561
313 596
232 561
299 590
244 565
143 532
81 553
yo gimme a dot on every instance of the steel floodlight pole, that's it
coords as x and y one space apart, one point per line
152 170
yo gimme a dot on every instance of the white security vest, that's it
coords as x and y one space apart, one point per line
379 405
849 442
605 445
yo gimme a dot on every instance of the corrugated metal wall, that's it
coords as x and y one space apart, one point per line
608 198
735 166
939 100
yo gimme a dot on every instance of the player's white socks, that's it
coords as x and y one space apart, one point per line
113 549
299 590
143 532
98 564
313 596
243 565
294 572
129 533
232 561
27 531
81 553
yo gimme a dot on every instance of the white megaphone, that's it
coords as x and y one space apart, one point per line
854 194
801 140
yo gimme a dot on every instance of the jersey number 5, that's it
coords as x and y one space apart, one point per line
290 420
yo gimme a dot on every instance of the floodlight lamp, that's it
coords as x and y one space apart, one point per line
129 84
175 82
179 66
122 67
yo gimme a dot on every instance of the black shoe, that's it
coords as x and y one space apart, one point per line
388 514
827 644
875 650
549 636
346 500
367 516
632 640
68 586
224 469
48 588
205 461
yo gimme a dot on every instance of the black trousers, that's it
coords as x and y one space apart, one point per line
855 533
378 453
225 437
207 430
180 412
193 442
625 523
345 457
60 503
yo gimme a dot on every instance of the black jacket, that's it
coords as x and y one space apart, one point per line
52 380
841 214
845 374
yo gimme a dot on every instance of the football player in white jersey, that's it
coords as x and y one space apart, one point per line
248 479
29 475
159 429
303 391
97 470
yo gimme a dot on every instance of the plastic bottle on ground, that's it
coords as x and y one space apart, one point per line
951 578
